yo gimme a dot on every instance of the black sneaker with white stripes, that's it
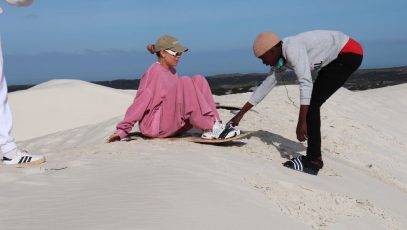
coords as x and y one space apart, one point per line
22 158
303 165
228 132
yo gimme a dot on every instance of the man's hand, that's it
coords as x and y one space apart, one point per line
236 119
302 134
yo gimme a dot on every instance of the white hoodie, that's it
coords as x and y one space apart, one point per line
305 52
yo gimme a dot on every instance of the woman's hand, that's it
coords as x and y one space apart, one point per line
114 137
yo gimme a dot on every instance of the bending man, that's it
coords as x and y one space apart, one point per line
333 54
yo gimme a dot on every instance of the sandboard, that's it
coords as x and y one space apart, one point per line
190 138
228 107
233 109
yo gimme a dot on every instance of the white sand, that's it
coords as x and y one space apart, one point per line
157 184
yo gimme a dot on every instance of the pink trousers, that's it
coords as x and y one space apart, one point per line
194 106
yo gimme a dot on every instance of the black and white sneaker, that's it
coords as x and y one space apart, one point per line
22 158
228 132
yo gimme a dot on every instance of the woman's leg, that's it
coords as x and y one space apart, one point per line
329 80
202 86
194 104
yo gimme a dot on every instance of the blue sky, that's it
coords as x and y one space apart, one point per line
106 39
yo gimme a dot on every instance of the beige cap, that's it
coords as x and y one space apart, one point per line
264 42
168 42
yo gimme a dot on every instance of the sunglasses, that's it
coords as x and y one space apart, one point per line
173 53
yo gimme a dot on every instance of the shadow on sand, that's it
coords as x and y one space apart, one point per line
286 147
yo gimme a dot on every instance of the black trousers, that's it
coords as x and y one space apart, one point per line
330 78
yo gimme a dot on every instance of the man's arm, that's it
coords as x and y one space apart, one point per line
236 119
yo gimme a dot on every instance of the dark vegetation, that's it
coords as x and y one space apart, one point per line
238 83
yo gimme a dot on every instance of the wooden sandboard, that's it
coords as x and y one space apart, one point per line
228 107
190 138
232 108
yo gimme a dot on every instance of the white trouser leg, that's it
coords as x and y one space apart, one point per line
6 122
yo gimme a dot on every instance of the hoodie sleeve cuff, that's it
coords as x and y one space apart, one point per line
305 101
253 102
122 134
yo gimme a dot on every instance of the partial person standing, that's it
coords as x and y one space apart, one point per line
333 54
12 155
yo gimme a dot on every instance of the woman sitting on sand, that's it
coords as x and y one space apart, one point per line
166 105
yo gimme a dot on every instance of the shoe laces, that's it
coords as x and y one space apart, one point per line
218 127
20 153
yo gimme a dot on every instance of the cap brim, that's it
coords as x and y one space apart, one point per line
179 48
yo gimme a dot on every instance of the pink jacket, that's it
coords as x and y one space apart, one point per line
147 107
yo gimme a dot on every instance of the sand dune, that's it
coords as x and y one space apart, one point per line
64 104
158 184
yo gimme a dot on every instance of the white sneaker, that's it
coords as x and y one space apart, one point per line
215 132
220 131
19 157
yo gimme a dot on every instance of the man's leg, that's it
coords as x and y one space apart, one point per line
329 80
